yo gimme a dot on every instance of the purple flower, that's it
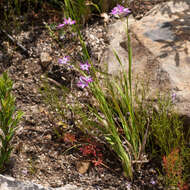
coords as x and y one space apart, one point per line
85 66
174 97
114 11
82 84
65 60
83 81
69 21
118 10
152 182
25 171
60 26
128 186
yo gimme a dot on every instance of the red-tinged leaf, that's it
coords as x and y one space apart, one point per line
68 137
97 162
88 149
183 187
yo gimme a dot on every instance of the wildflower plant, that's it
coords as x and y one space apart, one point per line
9 119
69 21
128 130
173 168
127 146
65 28
115 116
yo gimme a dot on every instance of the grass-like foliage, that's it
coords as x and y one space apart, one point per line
121 115
166 128
9 119
116 114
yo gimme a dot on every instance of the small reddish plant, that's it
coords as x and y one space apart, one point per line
68 137
183 186
93 151
97 161
173 167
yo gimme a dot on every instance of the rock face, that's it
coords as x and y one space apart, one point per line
161 49
9 183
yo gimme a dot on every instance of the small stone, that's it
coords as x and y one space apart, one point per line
4 186
106 17
82 166
48 137
92 37
45 59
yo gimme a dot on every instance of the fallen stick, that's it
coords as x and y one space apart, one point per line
25 51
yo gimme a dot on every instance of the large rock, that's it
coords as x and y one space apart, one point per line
161 49
9 183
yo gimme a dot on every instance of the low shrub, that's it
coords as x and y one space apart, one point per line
9 119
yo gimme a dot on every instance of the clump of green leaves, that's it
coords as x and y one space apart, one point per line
166 139
166 128
115 116
9 119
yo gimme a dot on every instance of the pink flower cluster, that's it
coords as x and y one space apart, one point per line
118 10
68 21
84 80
